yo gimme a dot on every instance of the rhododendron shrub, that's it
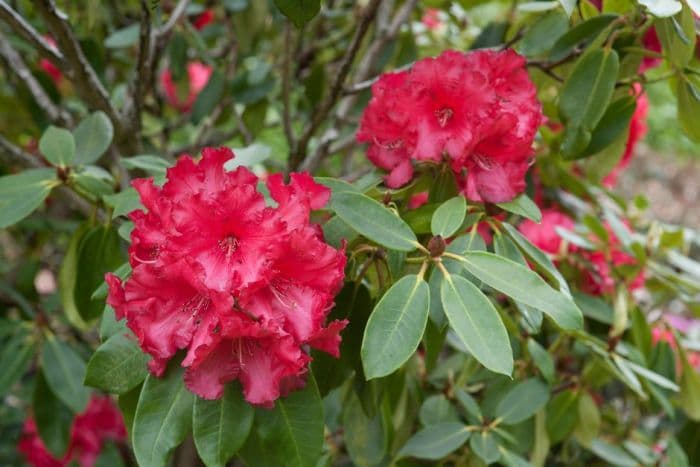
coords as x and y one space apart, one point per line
344 233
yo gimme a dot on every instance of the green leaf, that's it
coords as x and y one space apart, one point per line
614 123
448 217
523 285
478 325
125 37
249 156
522 205
299 12
374 221
677 37
542 360
99 252
22 193
220 427
109 325
437 409
588 425
510 459
585 96
562 415
689 109
395 327
67 277
580 35
154 165
366 437
568 6
485 446
117 366
92 137
163 418
612 454
435 441
209 98
523 401
15 355
65 372
110 456
53 419
294 428
123 202
58 146
689 397
544 32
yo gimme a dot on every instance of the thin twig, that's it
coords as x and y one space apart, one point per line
175 16
299 152
139 83
16 65
88 85
386 33
286 86
24 29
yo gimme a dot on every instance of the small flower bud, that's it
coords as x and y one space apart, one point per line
436 246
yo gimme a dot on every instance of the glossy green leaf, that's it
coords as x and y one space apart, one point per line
374 221
366 437
299 12
163 418
562 415
153 165
543 33
125 37
220 427
92 137
437 409
22 193
294 428
65 372
15 355
478 325
123 202
662 8
524 286
448 217
484 445
53 419
99 252
612 454
522 205
435 441
689 108
580 35
542 360
209 97
523 401
589 420
58 146
585 96
395 327
118 365
614 123
67 277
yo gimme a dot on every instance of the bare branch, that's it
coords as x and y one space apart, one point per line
13 153
286 86
175 16
24 29
139 83
299 152
16 65
386 33
88 85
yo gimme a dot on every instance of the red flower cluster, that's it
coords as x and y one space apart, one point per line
101 421
544 235
638 128
198 75
477 111
242 286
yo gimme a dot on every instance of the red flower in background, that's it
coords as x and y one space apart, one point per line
544 235
243 287
431 18
637 130
477 111
198 75
204 19
651 42
100 422
48 66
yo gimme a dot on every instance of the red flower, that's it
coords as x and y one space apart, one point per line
599 278
661 334
204 19
48 66
431 18
101 421
638 128
241 286
544 235
651 42
198 75
418 200
477 111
